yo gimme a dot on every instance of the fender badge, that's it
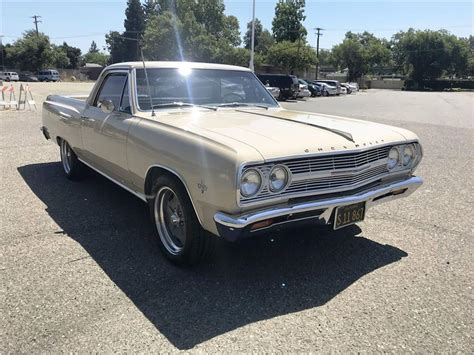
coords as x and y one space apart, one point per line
202 186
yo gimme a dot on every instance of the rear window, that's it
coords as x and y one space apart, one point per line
276 80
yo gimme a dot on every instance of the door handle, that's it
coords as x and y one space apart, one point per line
84 118
64 115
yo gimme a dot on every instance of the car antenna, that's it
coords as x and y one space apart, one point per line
147 84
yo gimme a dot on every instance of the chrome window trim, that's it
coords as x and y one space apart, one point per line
105 73
137 108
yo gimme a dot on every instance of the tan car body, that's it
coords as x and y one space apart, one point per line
204 149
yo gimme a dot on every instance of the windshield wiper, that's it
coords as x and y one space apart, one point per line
241 104
182 104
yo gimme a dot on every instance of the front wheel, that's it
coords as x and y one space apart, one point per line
72 167
180 235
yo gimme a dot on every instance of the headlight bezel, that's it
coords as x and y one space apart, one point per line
259 174
264 171
413 154
397 160
286 181
412 164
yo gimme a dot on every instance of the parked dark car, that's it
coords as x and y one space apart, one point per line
288 84
313 88
28 77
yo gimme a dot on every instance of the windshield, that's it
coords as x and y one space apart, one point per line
207 87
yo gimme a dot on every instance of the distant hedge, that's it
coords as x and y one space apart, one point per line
439 85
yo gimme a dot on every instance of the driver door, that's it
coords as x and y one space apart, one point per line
104 135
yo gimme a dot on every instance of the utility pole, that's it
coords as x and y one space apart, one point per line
318 33
36 21
252 49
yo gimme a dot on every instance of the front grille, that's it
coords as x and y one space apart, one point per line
334 162
328 173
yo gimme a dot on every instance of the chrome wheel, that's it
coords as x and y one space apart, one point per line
66 156
170 220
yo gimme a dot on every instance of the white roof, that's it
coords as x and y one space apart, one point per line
190 65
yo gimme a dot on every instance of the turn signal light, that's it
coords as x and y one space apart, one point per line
398 192
262 224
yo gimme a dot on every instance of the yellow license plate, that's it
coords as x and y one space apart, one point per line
349 214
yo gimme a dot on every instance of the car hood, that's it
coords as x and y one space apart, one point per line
279 133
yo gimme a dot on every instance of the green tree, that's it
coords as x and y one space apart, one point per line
287 25
361 54
430 54
248 33
291 56
188 30
265 41
459 53
325 57
31 52
73 54
59 58
150 8
134 28
232 31
96 58
161 40
93 48
116 47
263 38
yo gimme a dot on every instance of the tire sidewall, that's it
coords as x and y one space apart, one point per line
195 234
76 167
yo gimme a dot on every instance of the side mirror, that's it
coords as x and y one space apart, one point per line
107 106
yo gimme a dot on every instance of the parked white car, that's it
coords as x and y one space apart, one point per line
354 86
9 76
327 90
303 90
274 91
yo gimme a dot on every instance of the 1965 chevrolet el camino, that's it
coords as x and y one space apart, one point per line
213 154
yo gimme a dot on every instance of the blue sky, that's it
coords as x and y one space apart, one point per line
80 22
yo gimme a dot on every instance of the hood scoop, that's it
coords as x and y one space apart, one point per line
343 134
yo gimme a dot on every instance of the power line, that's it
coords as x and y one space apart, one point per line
36 21
386 29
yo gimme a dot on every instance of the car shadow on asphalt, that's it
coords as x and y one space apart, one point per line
248 282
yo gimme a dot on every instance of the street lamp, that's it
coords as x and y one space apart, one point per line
251 66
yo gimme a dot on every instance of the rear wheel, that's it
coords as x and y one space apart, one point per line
72 167
180 235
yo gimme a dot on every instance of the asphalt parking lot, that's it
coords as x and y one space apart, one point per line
81 272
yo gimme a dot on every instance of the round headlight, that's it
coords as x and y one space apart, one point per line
250 183
408 155
278 178
393 158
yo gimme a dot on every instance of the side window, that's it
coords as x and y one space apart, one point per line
125 103
112 89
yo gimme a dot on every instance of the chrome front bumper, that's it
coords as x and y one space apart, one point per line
233 227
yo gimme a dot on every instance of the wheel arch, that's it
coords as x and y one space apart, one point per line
157 170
